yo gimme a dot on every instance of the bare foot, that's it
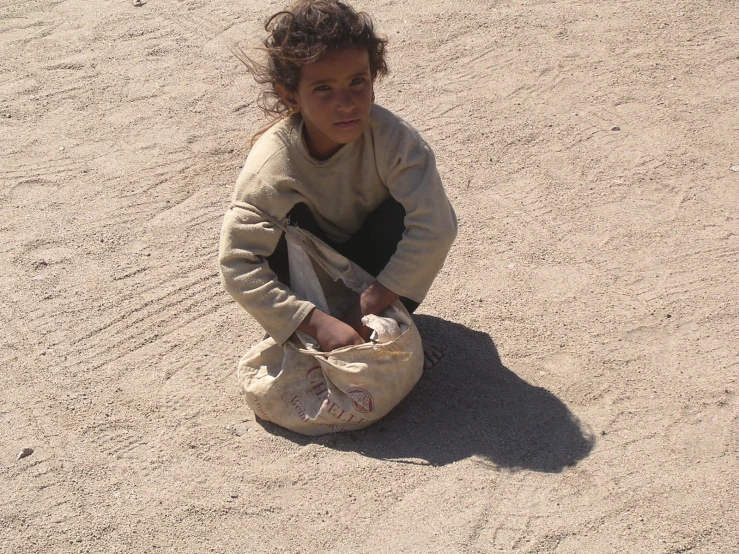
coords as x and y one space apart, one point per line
431 355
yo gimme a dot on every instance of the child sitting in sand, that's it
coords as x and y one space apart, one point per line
337 165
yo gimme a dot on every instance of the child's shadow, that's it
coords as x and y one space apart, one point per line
469 405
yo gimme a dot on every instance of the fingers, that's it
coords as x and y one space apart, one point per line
337 334
365 333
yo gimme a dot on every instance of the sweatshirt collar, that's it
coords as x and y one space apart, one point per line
299 143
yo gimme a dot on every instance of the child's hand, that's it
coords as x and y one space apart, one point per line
374 300
330 332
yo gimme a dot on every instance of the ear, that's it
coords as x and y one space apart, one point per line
289 98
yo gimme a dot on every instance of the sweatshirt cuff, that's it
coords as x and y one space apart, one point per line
281 333
397 287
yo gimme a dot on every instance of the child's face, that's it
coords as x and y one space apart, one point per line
334 97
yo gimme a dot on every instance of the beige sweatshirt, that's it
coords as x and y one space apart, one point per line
390 158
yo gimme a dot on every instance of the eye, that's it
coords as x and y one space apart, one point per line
357 80
321 88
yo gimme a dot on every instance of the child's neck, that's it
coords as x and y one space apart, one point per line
315 151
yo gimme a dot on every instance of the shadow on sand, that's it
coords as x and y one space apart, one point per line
469 405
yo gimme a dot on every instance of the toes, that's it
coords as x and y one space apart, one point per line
431 355
435 353
431 358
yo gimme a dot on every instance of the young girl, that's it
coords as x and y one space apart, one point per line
336 164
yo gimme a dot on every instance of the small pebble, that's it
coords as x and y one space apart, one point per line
615 128
240 430
735 168
25 453
234 495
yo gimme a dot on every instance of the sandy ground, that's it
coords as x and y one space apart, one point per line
588 399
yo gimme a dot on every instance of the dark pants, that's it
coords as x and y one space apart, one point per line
371 247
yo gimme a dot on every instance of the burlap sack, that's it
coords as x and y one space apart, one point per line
312 392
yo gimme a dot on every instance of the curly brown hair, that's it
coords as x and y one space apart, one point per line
302 35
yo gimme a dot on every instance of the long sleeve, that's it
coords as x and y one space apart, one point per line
246 240
410 173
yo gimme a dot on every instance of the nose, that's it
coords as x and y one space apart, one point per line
345 100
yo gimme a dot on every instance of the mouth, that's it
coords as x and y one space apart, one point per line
348 124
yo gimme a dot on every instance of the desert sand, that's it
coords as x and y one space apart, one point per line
587 402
